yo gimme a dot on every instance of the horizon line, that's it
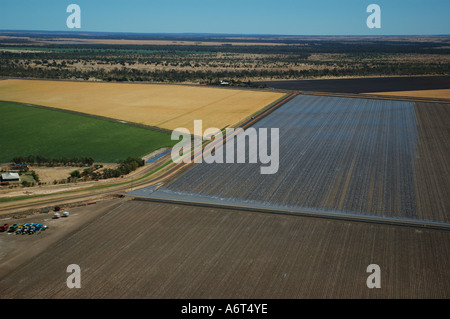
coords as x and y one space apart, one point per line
224 34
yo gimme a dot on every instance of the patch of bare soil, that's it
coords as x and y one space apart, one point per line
17 249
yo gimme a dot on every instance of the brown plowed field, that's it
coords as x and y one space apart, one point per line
153 250
432 169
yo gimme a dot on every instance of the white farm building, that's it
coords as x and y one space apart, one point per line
10 177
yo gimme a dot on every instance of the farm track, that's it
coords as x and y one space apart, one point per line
299 212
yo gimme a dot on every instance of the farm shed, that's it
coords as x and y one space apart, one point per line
10 177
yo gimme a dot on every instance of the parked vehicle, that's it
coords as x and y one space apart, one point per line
28 228
19 229
32 229
4 227
25 228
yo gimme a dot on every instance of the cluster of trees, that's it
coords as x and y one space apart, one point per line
89 173
125 167
35 177
46 161
92 173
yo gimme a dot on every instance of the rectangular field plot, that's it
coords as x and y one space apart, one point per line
164 106
337 155
432 169
139 249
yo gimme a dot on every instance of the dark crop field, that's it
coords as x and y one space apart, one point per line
150 250
340 155
364 85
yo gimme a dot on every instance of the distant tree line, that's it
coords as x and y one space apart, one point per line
363 58
303 47
208 76
46 161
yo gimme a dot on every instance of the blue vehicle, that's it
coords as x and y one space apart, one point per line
38 227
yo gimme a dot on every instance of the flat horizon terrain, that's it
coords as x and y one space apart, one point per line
208 58
363 178
163 106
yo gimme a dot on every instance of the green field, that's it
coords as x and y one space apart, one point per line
27 130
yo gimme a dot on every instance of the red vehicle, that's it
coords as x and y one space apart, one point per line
4 227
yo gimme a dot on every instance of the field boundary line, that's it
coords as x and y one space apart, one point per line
98 117
305 213
374 96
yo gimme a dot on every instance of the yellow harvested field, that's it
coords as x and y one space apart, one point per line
435 94
164 106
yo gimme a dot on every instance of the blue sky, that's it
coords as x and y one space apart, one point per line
290 17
